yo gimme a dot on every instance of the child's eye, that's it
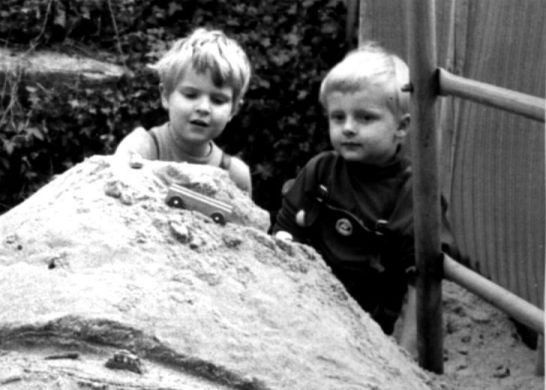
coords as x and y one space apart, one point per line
219 99
190 94
337 116
365 117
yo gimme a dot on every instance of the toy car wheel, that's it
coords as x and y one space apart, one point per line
218 218
176 201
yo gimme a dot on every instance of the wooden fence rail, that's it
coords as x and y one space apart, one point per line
518 103
511 304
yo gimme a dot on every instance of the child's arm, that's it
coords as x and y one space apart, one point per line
408 333
297 199
286 226
239 172
138 142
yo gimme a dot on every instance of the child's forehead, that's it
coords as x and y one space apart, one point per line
369 93
192 72
195 74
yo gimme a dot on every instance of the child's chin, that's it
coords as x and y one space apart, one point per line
352 157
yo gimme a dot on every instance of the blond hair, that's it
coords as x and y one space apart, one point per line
206 50
369 64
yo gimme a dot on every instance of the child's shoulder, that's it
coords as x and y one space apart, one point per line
323 161
235 162
239 171
320 168
137 141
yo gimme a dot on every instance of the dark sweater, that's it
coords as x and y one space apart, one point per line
360 219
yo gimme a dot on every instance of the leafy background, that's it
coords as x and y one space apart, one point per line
46 130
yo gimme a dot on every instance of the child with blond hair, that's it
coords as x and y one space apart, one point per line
203 79
354 204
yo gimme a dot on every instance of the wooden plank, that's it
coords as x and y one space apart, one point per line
425 150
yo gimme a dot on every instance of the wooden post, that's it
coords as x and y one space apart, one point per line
364 26
426 194
540 364
351 24
539 370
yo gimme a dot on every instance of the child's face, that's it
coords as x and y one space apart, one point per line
362 127
198 109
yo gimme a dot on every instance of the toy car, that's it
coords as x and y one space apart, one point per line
183 197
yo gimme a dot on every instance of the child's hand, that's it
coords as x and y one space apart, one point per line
284 236
136 161
407 337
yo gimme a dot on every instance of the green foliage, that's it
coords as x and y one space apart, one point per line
291 45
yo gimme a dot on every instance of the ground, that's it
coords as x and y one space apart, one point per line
483 349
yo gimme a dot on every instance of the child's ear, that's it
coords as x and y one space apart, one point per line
164 97
403 126
236 107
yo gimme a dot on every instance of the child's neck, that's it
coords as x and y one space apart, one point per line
393 160
376 172
196 151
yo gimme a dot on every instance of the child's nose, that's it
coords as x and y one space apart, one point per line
203 105
349 127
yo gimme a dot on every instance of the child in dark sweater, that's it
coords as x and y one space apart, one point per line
354 204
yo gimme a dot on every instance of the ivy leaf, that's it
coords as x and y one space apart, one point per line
293 39
329 28
5 163
60 16
265 170
302 94
263 83
9 146
173 8
35 132
281 58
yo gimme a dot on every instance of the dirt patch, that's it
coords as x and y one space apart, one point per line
483 349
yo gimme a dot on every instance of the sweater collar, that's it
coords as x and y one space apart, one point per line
369 172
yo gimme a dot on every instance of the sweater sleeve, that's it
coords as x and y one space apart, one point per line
297 198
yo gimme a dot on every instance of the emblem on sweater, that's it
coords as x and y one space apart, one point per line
344 227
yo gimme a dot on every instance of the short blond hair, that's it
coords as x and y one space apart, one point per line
206 50
369 64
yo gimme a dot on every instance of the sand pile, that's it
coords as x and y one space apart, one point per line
104 284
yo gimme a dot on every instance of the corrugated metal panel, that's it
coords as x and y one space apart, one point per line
494 169
497 192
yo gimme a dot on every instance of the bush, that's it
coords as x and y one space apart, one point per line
291 45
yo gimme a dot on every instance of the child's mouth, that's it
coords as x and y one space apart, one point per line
350 145
199 123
